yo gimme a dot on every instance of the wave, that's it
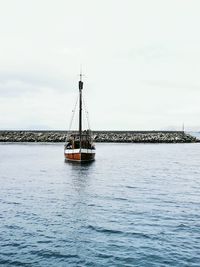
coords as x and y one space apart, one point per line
55 254
119 232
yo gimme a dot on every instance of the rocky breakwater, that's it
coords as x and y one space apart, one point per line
32 136
145 137
101 136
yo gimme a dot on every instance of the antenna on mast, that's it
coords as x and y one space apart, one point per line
81 73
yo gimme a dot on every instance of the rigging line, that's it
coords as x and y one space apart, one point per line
86 114
84 118
73 114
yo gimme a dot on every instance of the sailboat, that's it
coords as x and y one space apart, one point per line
79 144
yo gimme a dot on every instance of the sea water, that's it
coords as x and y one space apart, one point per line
136 205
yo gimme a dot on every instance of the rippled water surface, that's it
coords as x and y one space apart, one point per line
136 205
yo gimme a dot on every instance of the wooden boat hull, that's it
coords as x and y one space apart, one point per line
83 155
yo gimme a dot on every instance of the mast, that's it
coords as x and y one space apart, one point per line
80 107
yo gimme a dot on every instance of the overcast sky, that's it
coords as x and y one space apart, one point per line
141 61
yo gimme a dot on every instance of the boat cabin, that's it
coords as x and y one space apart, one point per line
73 141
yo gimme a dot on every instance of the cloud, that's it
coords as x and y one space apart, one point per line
13 84
182 86
141 65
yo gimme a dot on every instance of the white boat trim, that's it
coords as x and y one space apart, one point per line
77 151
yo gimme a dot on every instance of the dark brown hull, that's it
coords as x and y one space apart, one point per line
80 156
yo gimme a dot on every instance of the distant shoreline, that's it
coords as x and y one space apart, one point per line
53 136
